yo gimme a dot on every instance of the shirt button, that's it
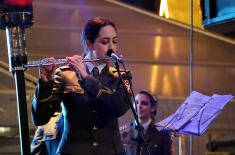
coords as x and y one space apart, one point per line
95 144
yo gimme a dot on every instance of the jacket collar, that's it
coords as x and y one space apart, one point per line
106 74
149 133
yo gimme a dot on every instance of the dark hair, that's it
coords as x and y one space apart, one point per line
92 29
153 101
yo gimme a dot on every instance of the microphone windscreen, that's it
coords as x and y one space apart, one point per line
109 52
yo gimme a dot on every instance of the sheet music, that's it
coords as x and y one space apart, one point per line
195 114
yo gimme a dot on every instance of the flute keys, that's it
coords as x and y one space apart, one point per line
48 61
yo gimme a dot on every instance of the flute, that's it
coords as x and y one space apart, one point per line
47 62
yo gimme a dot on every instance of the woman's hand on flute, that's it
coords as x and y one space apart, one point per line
75 63
47 72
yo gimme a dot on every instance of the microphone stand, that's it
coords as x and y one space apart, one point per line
18 73
140 141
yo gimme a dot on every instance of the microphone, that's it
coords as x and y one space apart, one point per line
111 54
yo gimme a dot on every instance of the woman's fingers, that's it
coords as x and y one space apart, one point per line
47 71
75 63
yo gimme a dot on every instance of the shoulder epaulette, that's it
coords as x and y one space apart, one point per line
114 72
63 68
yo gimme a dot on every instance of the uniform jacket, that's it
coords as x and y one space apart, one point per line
47 137
159 143
91 108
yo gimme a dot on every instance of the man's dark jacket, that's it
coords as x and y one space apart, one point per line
159 143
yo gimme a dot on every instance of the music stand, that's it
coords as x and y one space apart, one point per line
195 114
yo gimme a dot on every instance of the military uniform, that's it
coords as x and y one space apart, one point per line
91 108
47 137
159 143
